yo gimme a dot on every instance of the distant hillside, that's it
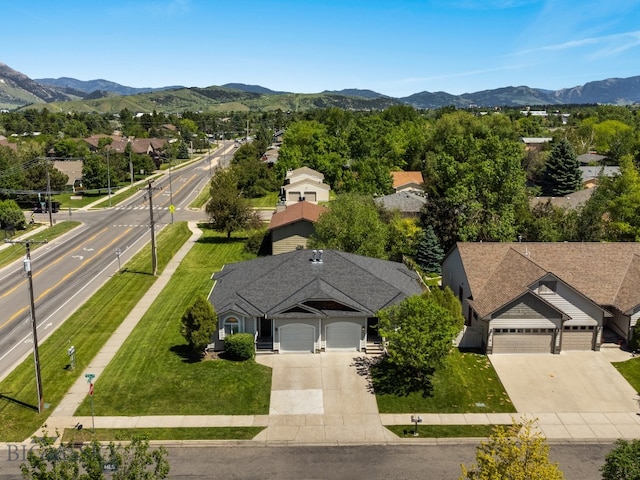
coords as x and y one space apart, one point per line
355 92
252 89
91 86
17 90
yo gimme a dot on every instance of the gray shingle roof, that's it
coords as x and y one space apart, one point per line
272 285
404 201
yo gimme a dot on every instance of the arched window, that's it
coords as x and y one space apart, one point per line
231 326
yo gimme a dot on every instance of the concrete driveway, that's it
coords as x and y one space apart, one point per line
321 398
573 381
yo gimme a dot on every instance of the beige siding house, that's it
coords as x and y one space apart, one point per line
544 297
304 184
291 228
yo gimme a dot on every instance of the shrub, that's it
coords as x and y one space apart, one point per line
255 241
239 346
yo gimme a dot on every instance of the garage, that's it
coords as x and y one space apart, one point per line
577 337
343 336
297 338
522 340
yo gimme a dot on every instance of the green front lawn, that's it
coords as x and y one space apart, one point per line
87 330
183 433
630 369
268 201
442 431
466 384
152 374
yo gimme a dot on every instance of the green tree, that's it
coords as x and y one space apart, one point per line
516 452
561 174
199 323
429 254
624 206
352 224
623 462
11 216
228 210
131 462
419 332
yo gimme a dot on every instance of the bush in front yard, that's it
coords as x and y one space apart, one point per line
239 346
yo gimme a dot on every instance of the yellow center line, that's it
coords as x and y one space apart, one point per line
50 265
23 310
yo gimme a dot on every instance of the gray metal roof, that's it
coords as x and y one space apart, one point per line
273 285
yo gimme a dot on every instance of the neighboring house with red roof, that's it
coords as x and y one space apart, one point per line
403 181
544 297
291 228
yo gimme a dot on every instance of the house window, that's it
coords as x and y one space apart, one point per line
231 326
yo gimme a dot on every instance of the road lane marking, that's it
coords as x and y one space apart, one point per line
23 310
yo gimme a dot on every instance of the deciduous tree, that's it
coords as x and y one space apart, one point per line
228 210
623 462
134 461
419 332
352 224
516 452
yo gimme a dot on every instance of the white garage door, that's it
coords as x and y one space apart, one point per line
343 336
522 340
577 337
297 338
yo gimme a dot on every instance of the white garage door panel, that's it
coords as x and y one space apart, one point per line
522 342
343 336
577 340
297 338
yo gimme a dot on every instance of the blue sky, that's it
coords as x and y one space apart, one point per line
394 47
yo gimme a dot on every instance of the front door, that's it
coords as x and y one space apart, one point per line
264 329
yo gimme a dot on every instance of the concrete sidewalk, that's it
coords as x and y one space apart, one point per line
62 416
321 399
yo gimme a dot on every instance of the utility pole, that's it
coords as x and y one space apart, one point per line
49 193
154 255
34 326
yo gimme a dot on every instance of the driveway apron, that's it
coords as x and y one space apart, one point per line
320 398
573 381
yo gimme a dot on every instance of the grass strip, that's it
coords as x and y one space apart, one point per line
182 433
87 329
153 373
467 383
14 252
630 370
442 431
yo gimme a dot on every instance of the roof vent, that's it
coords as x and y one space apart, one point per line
320 252
314 257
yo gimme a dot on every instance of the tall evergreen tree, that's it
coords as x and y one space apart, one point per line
430 254
561 174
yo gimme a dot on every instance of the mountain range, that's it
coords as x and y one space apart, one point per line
18 90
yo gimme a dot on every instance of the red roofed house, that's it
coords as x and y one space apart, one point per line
291 228
407 181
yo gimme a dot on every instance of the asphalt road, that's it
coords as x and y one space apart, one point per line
374 462
68 270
